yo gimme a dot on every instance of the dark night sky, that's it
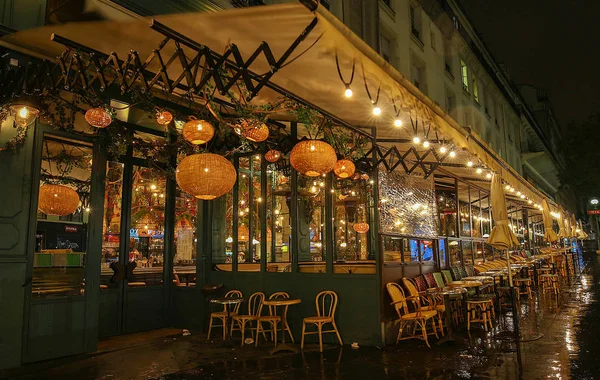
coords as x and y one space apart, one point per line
553 45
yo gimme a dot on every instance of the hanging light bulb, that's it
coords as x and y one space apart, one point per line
488 176
518 193
522 196
416 140
443 149
530 201
348 92
512 189
470 164
425 144
376 110
452 154
397 123
479 170
507 187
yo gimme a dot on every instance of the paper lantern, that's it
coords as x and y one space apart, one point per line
313 157
361 228
198 132
273 155
164 117
344 168
205 176
98 117
57 200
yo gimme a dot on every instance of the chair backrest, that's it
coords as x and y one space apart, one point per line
326 303
276 295
420 283
233 294
410 287
462 271
439 280
254 303
470 270
430 280
447 275
398 298
455 273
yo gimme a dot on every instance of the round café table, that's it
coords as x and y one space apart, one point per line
285 303
227 302
446 293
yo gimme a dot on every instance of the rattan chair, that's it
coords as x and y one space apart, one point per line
326 303
273 321
285 327
222 315
240 321
427 303
418 319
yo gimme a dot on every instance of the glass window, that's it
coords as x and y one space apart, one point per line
443 254
279 230
111 227
222 233
454 252
185 239
478 251
61 244
464 74
427 250
446 206
475 90
467 249
412 253
311 225
392 248
465 219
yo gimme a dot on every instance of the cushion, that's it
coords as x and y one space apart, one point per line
430 280
420 283
439 280
462 271
455 273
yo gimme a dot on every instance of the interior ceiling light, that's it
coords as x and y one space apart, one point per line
470 163
443 149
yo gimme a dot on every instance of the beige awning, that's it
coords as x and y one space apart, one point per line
502 236
573 226
549 233
311 73
562 232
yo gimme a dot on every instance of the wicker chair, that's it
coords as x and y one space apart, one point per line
241 320
430 280
418 319
326 303
427 303
222 315
285 327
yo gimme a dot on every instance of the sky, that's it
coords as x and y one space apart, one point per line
553 45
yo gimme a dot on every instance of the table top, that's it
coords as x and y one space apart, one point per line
282 301
444 291
478 278
227 300
464 284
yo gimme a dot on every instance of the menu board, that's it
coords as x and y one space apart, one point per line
185 244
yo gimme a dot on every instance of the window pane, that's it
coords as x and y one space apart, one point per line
279 230
392 249
146 237
311 224
185 239
61 244
427 250
446 205
111 227
412 253
467 249
455 252
222 233
443 254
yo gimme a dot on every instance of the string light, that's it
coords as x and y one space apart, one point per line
518 193
530 201
376 111
488 176
443 149
470 163
512 189
479 171
452 154
416 140
397 123
507 187
348 92
425 144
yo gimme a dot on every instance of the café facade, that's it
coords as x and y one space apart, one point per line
146 160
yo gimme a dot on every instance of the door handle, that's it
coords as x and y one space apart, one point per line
129 268
118 272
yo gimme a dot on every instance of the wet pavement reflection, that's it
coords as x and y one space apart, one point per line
559 339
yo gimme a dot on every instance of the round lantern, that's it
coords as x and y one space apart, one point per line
205 176
273 155
164 117
344 168
198 132
257 133
98 117
313 157
361 228
57 200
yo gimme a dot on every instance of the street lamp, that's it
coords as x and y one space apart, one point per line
594 201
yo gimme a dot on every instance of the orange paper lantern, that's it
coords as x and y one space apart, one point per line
198 132
344 168
164 117
205 176
273 155
57 200
98 117
361 227
313 157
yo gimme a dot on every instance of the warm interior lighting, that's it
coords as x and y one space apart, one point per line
425 144
348 92
507 187
488 176
470 163
452 154
443 149
479 170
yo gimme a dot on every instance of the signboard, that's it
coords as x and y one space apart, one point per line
71 229
593 212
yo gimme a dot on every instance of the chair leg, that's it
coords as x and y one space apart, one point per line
258 330
468 320
337 332
243 328
320 328
424 331
287 328
434 327
209 328
275 323
302 340
224 328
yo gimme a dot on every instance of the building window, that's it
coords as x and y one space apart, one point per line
464 74
455 23
476 90
386 48
432 38
451 104
388 3
448 58
418 74
415 21
356 17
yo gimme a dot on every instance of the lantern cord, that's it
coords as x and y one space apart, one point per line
304 52
367 87
337 64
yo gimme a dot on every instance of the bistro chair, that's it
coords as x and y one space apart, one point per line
427 303
430 280
447 275
272 311
480 310
238 322
416 320
222 315
326 303
273 321
439 279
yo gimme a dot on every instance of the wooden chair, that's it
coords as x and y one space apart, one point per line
285 327
254 303
271 319
427 303
418 318
439 280
222 315
326 303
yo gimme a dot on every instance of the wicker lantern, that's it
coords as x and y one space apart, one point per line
164 117
273 155
205 176
313 157
361 228
98 117
344 168
257 133
57 200
198 132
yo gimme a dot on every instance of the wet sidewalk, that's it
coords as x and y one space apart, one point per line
562 341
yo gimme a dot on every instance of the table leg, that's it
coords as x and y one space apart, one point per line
284 346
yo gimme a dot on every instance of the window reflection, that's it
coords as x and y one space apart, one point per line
311 224
111 227
279 229
184 260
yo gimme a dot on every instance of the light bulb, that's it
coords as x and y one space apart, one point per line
397 123
479 171
443 149
452 154
312 148
512 189
470 163
522 196
416 140
348 92
530 201
507 187
425 144
23 113
518 193
376 111
489 175
199 127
